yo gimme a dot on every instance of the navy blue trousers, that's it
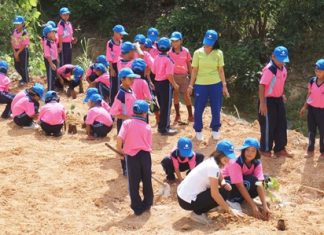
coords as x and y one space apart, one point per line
6 98
22 65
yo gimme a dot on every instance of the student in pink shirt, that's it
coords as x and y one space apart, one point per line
272 112
6 96
113 52
52 115
43 38
20 43
64 75
163 68
182 69
315 107
66 38
135 141
140 86
182 158
153 35
128 52
122 108
146 56
245 175
50 57
99 122
102 82
90 74
91 91
26 108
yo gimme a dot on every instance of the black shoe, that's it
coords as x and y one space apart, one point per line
169 132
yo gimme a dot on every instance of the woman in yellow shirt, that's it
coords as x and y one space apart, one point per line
208 82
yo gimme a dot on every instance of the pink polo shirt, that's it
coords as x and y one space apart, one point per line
136 135
50 49
65 30
274 80
236 172
52 113
105 105
124 64
148 59
177 160
316 97
4 82
180 60
18 96
104 78
20 39
23 105
98 114
90 71
123 103
141 89
163 66
113 51
65 71
154 51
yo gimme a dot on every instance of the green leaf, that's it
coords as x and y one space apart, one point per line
33 3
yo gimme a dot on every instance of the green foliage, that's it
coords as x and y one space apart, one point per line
84 60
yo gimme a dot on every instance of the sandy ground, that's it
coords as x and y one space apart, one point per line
71 185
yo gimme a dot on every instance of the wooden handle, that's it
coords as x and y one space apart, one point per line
113 149
314 189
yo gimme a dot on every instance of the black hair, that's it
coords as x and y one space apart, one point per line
216 45
139 72
258 155
163 50
217 157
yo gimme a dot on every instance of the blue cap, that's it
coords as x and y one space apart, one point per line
185 147
64 10
4 65
175 36
95 98
140 38
320 64
250 142
50 95
164 44
148 43
127 73
19 20
120 29
226 147
211 36
139 65
281 54
39 90
140 107
51 23
100 67
78 72
47 30
126 47
102 60
153 34
90 91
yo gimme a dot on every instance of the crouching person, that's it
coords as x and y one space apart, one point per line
135 141
181 159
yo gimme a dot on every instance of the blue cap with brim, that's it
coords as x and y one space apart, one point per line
127 73
95 98
140 107
64 10
153 34
175 36
139 65
127 47
226 147
19 20
90 91
250 142
39 90
185 147
320 64
140 38
281 54
211 36
120 29
148 43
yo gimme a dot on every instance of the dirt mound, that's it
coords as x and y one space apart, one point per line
73 186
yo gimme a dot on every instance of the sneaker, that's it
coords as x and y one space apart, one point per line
216 135
309 154
33 126
202 219
266 153
169 132
283 153
199 136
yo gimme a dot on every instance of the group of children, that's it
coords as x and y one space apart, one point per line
124 85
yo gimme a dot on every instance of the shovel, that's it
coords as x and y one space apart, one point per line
165 189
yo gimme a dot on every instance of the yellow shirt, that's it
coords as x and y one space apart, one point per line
207 65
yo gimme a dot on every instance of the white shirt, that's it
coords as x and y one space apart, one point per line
197 181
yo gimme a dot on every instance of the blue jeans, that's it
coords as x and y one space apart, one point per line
214 94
